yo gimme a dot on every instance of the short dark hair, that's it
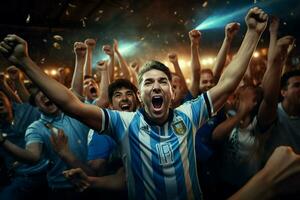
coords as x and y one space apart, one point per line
286 76
153 64
118 84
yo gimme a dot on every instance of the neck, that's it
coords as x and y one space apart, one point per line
291 110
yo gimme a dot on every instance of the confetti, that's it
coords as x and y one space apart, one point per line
56 45
142 38
72 5
45 40
204 4
292 14
255 1
149 25
67 12
42 60
175 13
100 11
58 37
83 22
132 11
227 2
284 23
97 19
28 18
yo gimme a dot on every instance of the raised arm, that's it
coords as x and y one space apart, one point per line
111 65
91 43
15 50
122 62
174 60
256 21
195 36
271 81
4 86
230 31
16 75
102 101
80 50
135 67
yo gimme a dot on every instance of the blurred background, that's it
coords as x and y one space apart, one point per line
145 29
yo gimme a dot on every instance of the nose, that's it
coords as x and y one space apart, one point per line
156 87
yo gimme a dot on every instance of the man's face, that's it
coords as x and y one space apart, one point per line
177 88
156 94
5 108
45 105
90 89
206 81
124 99
292 94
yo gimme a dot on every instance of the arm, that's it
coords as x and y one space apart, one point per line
102 100
91 43
4 86
115 181
195 36
281 167
271 80
29 155
174 60
111 65
15 50
80 50
16 76
246 103
135 67
59 143
123 64
256 21
230 31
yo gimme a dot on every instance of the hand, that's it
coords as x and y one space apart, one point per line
14 73
256 20
282 163
108 50
280 52
231 29
173 58
135 66
59 140
78 178
116 45
274 25
80 49
15 49
91 43
195 36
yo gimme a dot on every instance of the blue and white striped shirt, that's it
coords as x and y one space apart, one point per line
160 160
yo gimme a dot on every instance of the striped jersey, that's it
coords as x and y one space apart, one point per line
160 161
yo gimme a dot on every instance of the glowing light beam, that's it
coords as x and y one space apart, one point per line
220 20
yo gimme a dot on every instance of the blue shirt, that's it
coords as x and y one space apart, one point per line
77 141
160 160
100 146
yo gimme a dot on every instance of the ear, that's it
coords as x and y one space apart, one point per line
138 94
283 92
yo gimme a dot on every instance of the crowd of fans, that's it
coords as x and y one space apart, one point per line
141 132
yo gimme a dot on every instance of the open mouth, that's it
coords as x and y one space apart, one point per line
48 103
93 91
157 102
125 107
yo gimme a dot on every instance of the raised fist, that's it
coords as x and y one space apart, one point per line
91 43
173 57
256 20
231 29
108 50
195 36
80 49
